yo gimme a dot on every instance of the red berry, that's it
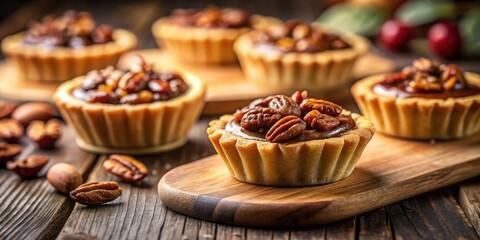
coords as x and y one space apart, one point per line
395 35
444 40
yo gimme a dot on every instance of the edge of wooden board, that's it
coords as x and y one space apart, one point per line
319 204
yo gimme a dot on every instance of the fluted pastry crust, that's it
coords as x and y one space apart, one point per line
296 164
321 71
419 118
37 63
131 129
202 45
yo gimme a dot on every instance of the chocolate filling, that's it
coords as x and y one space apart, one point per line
400 90
234 128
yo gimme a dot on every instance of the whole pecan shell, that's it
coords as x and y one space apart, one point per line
320 121
259 119
322 106
286 129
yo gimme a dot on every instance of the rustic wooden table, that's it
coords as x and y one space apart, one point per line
33 210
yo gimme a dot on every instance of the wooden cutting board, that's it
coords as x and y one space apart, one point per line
228 89
390 170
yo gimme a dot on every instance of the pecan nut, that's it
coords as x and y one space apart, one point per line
126 167
28 112
298 97
64 177
10 130
285 106
259 119
45 134
96 193
322 106
28 167
6 109
452 75
286 129
320 121
8 152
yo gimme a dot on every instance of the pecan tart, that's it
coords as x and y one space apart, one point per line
290 141
135 111
204 36
426 100
297 55
60 48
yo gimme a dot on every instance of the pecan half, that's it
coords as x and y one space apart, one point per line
8 152
298 97
10 130
126 167
285 105
452 75
45 134
347 119
96 193
322 106
320 121
6 109
259 119
286 129
28 167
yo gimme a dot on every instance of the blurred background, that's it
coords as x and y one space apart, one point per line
456 24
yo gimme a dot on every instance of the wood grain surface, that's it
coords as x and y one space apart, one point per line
390 170
22 200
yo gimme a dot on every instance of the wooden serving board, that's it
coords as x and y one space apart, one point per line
390 170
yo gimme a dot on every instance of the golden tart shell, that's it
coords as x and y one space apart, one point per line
419 118
321 71
304 163
202 45
131 129
37 63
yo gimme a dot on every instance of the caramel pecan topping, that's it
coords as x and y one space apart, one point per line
279 117
72 29
211 17
320 121
322 106
260 119
286 129
140 84
426 75
298 36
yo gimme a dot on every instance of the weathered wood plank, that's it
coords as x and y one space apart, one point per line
374 225
139 213
341 230
430 216
32 209
228 232
469 198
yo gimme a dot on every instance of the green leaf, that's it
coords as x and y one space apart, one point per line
422 11
470 29
363 20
